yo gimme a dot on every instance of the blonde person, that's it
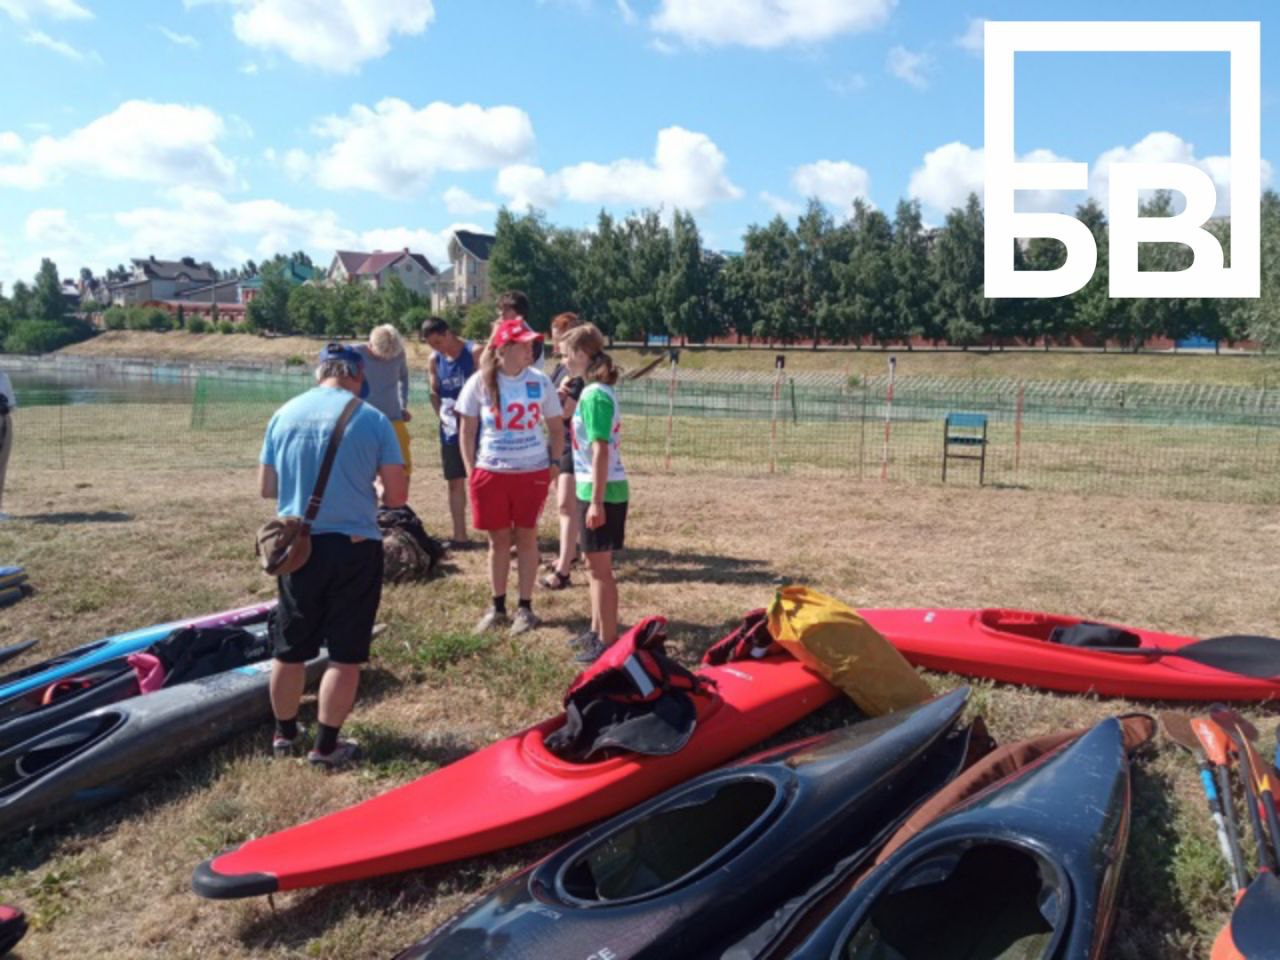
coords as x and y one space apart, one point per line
567 388
509 471
386 371
601 483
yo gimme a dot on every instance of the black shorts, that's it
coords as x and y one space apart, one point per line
566 459
611 536
332 601
451 461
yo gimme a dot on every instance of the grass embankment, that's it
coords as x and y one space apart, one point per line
113 548
1235 369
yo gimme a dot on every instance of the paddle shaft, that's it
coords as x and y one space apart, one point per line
1240 877
1240 655
1230 850
1252 804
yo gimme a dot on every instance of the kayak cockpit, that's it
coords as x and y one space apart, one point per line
1026 624
670 845
981 900
42 755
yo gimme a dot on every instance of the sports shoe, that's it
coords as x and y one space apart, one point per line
492 618
346 752
592 649
584 638
524 621
284 747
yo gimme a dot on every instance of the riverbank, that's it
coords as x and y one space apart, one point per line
255 355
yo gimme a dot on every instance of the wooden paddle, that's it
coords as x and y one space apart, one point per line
645 370
1177 726
1248 656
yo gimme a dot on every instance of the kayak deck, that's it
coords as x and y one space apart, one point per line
1013 646
528 792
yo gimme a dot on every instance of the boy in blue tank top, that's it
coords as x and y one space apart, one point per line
453 361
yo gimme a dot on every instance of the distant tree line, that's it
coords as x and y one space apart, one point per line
34 317
864 279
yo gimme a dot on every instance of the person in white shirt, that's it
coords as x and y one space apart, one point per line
510 471
8 400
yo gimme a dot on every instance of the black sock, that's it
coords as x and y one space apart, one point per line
500 604
526 604
287 728
326 738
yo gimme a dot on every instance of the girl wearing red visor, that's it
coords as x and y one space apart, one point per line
509 471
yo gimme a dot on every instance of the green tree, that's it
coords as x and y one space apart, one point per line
269 309
414 318
528 255
309 309
955 268
48 302
811 288
909 264
766 254
603 277
638 306
865 280
477 324
684 289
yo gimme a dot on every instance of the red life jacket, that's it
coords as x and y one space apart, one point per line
635 698
750 640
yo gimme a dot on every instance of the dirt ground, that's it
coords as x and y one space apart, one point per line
115 549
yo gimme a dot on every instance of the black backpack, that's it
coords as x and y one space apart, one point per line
409 552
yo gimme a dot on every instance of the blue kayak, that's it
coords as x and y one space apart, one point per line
110 648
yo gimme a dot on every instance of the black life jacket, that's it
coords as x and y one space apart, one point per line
634 698
750 640
189 653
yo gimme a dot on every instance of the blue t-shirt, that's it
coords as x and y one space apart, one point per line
452 374
296 440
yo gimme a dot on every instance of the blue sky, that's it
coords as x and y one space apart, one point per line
229 129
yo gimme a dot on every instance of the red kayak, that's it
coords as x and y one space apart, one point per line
1013 646
513 792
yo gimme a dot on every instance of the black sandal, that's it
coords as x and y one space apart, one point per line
556 581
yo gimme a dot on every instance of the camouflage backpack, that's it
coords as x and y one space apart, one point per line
409 552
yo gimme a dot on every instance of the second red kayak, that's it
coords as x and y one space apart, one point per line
1013 646
513 792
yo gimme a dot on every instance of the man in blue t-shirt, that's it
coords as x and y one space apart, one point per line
333 598
453 361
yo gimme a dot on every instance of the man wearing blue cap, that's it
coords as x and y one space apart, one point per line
332 600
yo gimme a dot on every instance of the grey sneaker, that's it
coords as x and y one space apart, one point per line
345 753
524 621
283 748
591 650
585 638
492 618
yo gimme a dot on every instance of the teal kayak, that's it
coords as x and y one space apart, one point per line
121 645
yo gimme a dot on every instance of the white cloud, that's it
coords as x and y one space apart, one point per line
766 24
179 39
332 35
628 15
395 149
972 38
248 69
780 205
458 201
51 228
953 171
834 182
139 140
38 38
910 66
687 172
26 10
848 85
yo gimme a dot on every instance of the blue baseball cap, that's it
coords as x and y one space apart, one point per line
350 355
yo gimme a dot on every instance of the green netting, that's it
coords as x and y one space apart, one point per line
1186 441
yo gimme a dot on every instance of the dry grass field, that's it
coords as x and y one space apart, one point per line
114 548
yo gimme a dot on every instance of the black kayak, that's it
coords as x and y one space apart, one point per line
13 927
677 875
29 714
8 653
107 753
1026 870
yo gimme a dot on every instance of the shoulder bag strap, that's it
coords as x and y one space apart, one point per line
313 505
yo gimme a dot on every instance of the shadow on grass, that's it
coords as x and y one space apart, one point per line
1149 886
65 519
648 565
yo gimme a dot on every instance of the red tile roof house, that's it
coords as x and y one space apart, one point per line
376 269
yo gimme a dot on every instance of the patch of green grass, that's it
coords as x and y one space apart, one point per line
445 649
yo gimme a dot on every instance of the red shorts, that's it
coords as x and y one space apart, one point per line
503 500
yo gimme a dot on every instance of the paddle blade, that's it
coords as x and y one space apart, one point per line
1246 655
1214 740
1255 924
1177 727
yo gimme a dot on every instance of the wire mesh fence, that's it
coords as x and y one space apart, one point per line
1169 441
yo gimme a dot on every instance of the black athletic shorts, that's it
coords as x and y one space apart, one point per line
451 461
332 601
610 536
566 458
